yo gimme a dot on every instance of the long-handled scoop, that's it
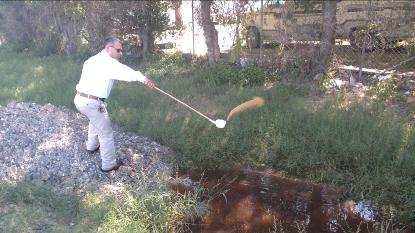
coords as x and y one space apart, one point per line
219 123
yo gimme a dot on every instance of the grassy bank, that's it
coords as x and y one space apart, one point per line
26 207
359 145
40 80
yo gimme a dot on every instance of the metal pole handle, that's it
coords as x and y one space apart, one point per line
158 89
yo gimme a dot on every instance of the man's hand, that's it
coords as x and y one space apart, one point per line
149 83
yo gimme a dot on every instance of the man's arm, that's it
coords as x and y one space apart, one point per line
125 73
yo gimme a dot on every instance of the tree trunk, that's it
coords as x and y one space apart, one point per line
210 33
328 36
147 42
145 33
178 13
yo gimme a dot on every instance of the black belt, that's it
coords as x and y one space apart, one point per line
90 96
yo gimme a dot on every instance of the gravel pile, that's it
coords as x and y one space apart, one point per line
46 144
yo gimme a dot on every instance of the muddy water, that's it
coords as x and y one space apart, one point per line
251 201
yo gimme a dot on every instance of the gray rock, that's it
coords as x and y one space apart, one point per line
46 144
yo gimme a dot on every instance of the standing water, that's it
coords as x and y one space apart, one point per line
252 201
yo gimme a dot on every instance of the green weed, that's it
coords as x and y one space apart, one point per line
224 74
164 66
26 207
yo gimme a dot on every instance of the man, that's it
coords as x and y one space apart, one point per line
94 87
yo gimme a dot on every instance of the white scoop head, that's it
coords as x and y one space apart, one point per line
220 124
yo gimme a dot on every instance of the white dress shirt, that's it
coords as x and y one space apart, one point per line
99 73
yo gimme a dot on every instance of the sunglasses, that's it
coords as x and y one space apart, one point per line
118 50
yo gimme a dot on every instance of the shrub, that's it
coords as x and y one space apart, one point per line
386 90
219 74
48 45
251 75
167 65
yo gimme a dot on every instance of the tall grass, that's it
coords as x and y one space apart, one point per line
361 146
27 207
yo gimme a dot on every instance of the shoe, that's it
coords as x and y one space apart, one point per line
93 151
118 165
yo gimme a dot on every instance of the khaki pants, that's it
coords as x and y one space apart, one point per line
99 130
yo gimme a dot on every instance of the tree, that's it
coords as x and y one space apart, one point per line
55 27
44 27
99 23
328 36
209 31
68 19
148 19
16 24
